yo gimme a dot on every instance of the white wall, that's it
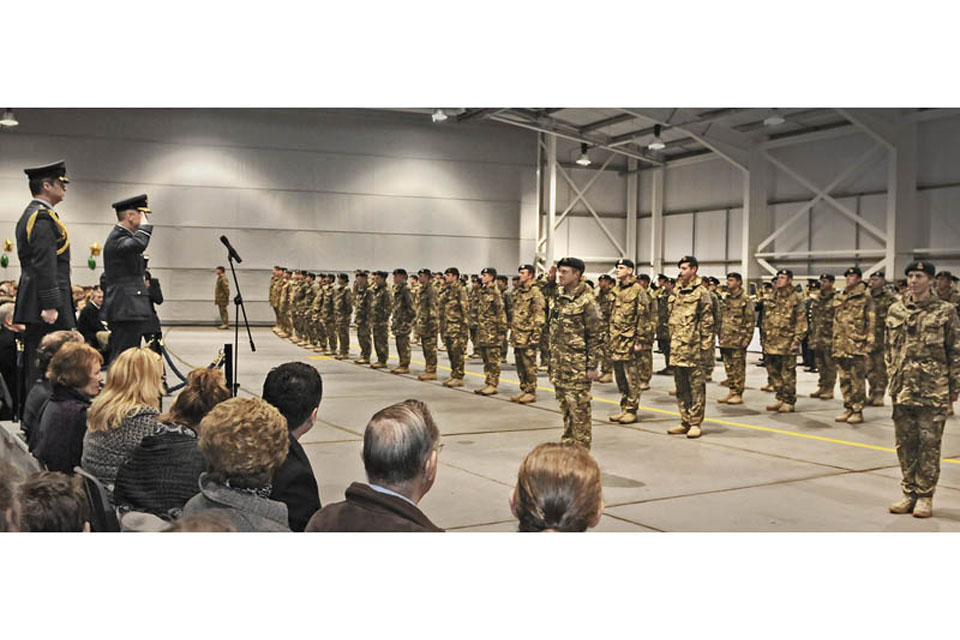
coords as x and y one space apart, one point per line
325 190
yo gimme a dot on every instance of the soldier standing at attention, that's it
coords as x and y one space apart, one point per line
574 341
821 338
309 317
299 308
414 284
710 356
361 316
946 290
428 319
631 328
315 316
404 314
691 334
605 297
329 313
221 297
646 353
282 311
275 281
343 311
502 283
491 331
663 323
854 330
737 320
454 311
474 318
381 309
526 330
44 300
876 371
922 354
784 323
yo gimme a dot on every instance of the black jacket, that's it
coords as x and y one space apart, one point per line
125 296
59 437
88 323
8 367
155 293
43 247
295 485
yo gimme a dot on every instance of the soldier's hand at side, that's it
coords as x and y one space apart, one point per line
592 374
953 397
49 315
638 347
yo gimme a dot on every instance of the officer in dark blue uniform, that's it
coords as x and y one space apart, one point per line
126 299
44 299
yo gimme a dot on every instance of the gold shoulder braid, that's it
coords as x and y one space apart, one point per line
63 240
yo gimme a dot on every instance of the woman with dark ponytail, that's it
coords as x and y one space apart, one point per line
558 489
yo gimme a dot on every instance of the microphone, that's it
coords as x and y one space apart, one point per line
233 252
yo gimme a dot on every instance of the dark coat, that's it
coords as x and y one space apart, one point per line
152 325
33 409
125 296
88 323
8 367
295 485
368 510
59 438
43 247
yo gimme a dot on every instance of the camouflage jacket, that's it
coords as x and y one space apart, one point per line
343 303
508 304
309 296
737 320
428 312
221 291
454 311
631 319
492 317
922 352
529 316
403 310
574 337
297 296
882 301
784 322
854 322
329 304
362 305
691 324
472 292
605 301
415 297
821 321
381 304
283 295
316 306
952 296
275 290
663 313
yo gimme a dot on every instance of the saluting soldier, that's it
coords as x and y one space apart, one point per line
854 330
404 314
605 298
876 370
382 307
454 318
784 323
631 328
343 309
362 316
549 289
221 297
526 331
428 319
922 355
491 330
821 337
737 320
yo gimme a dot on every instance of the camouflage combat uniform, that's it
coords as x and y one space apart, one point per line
274 298
309 328
784 324
549 289
473 319
454 313
575 338
221 298
297 297
283 302
605 299
691 334
428 319
526 330
951 295
343 310
710 355
508 309
381 307
645 355
403 316
330 316
631 325
663 326
876 370
821 339
854 330
737 320
922 355
316 318
491 329
361 317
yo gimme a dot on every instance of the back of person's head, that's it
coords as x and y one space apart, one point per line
558 489
6 312
205 389
51 344
244 441
72 364
397 442
53 501
134 381
9 505
295 389
205 522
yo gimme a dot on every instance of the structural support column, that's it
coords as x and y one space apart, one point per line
551 255
632 179
906 229
656 222
756 214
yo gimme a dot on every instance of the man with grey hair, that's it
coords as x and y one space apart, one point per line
401 445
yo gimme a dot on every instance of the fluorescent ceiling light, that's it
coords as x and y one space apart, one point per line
657 143
774 119
8 119
584 159
438 115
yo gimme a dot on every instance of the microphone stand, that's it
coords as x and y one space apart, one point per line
238 308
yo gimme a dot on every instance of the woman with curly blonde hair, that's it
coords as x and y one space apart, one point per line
123 414
558 489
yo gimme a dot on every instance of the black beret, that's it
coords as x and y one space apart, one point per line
813 284
627 262
692 261
136 202
828 276
785 272
453 270
660 276
381 273
945 274
344 277
425 272
362 274
528 267
573 263
54 170
502 278
925 266
672 280
853 271
474 277
735 275
311 274
400 271
879 274
644 277
489 270
606 276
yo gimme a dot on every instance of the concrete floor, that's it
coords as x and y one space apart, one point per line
751 470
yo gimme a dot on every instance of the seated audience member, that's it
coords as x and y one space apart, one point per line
9 505
75 375
295 390
400 450
54 502
163 472
89 323
558 489
42 388
207 522
243 441
8 355
123 414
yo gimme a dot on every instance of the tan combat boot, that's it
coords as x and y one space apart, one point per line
694 431
628 417
400 369
855 418
528 398
904 504
843 416
615 417
678 430
768 388
775 406
516 397
923 508
341 357
785 408
725 398
735 398
427 375
644 386
453 382
360 360
379 365
826 394
816 394
605 378
318 349
487 390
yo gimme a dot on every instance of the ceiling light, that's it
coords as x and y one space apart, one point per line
584 159
8 119
657 143
774 119
438 115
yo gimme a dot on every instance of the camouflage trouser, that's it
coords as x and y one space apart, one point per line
491 364
403 348
709 362
428 343
606 361
853 381
877 375
782 374
276 316
735 363
456 346
545 346
664 345
577 413
918 431
473 338
826 367
331 324
343 336
224 316
645 362
318 331
381 342
526 358
691 394
627 375
363 337
504 348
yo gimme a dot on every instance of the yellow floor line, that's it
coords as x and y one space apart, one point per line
727 423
